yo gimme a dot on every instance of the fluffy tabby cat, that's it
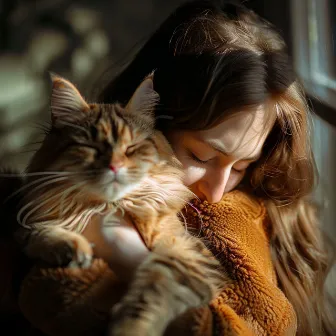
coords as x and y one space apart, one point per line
97 159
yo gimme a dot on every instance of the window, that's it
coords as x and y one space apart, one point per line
314 47
314 55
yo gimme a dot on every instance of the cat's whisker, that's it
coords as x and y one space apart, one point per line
186 225
197 211
40 204
66 192
184 222
44 127
43 201
121 209
34 209
48 182
18 216
195 196
167 191
199 217
83 129
33 143
68 173
93 171
47 175
28 185
192 228
31 174
29 213
186 203
26 151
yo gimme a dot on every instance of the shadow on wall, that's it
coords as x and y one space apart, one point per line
76 39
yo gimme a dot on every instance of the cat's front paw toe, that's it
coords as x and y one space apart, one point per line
128 321
81 260
73 251
82 253
130 327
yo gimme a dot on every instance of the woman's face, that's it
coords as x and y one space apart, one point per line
216 160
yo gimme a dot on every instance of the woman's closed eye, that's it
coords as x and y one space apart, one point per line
238 171
197 159
242 166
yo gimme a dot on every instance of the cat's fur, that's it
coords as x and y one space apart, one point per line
71 180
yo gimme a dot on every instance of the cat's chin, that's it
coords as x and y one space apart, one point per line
117 191
114 192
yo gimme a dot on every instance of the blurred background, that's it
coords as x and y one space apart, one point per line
81 39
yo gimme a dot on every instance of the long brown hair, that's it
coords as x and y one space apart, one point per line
212 59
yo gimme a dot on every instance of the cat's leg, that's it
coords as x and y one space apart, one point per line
180 274
56 246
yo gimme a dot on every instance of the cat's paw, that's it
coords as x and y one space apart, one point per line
81 252
73 251
130 319
131 327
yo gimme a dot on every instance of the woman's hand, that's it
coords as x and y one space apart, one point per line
119 244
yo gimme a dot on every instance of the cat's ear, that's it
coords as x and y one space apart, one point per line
67 104
144 99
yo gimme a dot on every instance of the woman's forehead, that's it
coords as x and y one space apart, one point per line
243 133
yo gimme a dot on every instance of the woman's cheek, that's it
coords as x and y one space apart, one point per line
192 174
233 181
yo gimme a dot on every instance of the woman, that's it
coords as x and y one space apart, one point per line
236 118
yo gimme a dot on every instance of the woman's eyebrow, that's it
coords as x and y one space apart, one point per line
218 146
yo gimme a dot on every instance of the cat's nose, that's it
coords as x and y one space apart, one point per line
115 166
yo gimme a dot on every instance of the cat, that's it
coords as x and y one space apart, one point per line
96 160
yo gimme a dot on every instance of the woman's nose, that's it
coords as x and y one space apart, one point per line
213 185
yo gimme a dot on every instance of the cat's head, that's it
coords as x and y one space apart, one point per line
105 149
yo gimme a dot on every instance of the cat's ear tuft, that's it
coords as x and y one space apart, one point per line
144 99
67 104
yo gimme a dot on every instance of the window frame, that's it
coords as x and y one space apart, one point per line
310 26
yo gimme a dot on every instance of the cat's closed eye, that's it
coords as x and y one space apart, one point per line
84 151
131 150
